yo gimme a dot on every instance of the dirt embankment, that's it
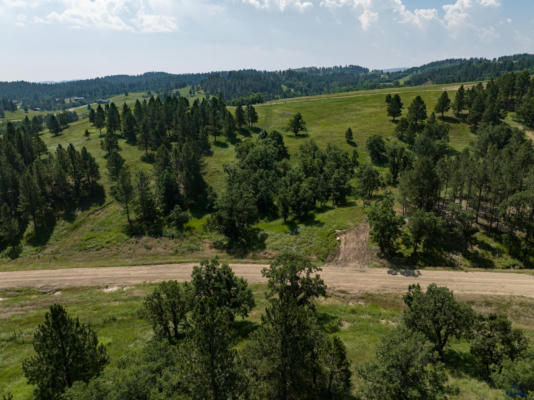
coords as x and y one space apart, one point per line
353 248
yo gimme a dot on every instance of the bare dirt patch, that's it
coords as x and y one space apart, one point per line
456 87
353 248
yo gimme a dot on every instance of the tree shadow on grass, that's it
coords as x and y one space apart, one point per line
461 364
252 240
328 323
301 135
222 145
310 220
244 328
450 120
477 260
42 235
244 132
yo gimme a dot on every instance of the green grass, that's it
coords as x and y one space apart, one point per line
360 321
97 235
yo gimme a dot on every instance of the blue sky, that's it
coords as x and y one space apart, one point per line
45 40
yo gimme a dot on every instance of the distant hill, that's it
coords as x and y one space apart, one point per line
253 86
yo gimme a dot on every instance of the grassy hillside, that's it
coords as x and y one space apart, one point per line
360 321
96 236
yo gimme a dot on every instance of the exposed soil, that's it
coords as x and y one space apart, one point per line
350 279
353 248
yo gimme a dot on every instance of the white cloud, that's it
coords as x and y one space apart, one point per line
490 3
151 23
370 11
21 20
282 5
367 18
118 15
458 16
417 17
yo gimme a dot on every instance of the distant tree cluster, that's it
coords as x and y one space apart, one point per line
174 135
36 186
56 123
6 105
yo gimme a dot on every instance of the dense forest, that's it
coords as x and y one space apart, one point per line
251 86
446 195
204 346
461 70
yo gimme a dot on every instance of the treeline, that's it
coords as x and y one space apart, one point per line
448 195
462 70
252 86
175 136
51 96
36 186
204 348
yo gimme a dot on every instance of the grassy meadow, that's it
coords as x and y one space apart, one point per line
96 236
114 312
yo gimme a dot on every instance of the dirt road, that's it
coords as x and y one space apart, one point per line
349 279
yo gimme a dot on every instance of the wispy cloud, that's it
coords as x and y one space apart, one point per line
116 15
281 5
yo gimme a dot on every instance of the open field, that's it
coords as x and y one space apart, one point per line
360 320
97 237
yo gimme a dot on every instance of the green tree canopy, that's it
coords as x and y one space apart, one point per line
437 315
66 351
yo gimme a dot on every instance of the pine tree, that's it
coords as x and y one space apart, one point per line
67 351
109 144
252 115
92 114
297 124
443 105
459 101
37 125
53 125
100 119
349 136
145 205
395 107
113 120
240 116
417 111
124 191
31 201
114 163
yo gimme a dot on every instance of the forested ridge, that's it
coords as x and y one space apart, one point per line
252 86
